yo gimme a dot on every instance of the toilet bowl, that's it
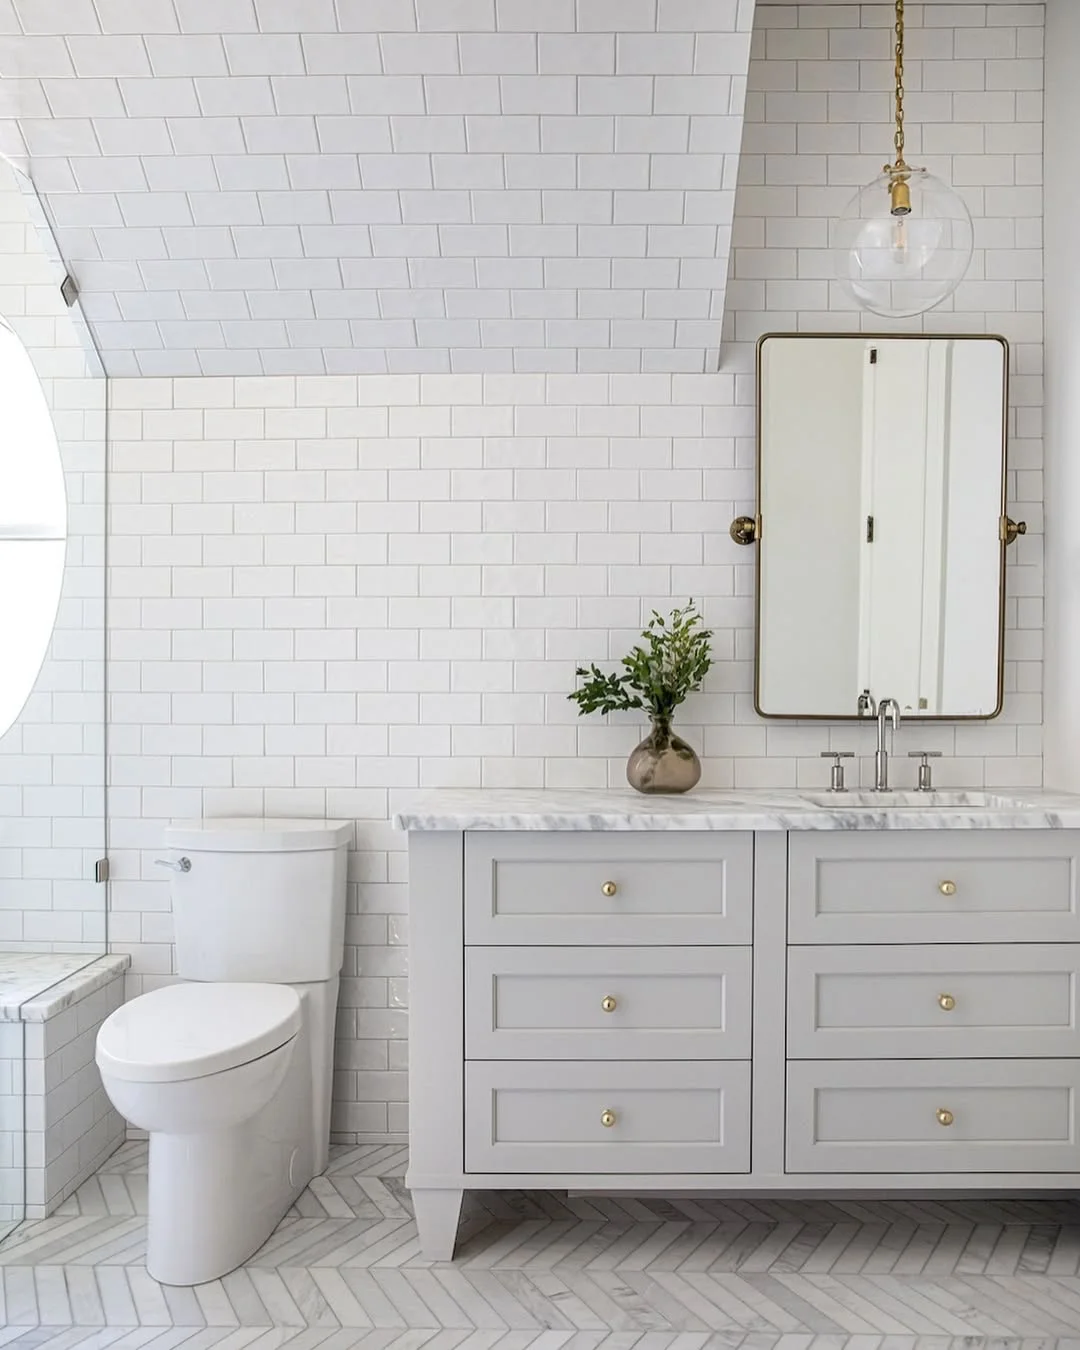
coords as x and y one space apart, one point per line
230 1072
196 1057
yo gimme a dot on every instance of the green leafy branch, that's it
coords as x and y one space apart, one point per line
671 664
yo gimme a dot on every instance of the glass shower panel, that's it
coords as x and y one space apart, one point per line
52 606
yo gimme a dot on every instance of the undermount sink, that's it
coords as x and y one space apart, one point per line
916 801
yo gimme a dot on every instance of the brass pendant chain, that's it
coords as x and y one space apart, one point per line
899 174
898 138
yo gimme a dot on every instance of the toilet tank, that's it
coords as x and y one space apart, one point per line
258 899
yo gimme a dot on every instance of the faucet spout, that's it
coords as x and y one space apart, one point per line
888 710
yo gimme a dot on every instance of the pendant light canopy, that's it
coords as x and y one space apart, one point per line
904 242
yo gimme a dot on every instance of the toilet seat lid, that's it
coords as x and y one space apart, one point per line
193 1030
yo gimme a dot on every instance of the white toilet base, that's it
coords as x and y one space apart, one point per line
214 1200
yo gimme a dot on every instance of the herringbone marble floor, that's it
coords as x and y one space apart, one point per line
540 1271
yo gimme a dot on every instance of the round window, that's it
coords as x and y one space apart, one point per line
33 526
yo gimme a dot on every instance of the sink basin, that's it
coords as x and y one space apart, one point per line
918 801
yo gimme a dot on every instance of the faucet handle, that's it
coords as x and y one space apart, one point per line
925 781
836 773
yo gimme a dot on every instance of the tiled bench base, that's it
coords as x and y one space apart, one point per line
54 1088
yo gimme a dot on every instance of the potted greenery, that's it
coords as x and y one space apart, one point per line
656 676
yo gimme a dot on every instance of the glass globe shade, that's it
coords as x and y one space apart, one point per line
898 266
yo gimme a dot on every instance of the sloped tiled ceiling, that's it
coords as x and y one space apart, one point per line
300 186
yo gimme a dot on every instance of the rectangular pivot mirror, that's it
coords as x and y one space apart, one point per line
881 554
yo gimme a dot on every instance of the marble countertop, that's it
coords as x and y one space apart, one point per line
517 809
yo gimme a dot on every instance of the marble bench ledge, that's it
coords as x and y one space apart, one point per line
537 809
36 986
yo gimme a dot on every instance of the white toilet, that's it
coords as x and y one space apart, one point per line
231 1074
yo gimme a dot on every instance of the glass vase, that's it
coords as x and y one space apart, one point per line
663 762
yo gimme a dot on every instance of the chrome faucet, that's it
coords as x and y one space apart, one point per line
887 708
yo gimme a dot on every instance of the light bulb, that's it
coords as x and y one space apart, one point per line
899 241
903 244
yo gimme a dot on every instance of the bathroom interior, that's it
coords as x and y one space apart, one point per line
419 403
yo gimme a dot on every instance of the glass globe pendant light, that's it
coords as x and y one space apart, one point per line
904 242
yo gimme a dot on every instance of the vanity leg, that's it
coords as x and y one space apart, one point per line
437 1215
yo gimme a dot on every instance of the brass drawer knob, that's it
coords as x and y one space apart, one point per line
608 1003
607 1119
947 888
946 1002
609 888
944 1116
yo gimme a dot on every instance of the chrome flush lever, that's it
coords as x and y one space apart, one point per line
184 865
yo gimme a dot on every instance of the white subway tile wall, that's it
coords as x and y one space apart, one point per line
71 1127
56 1124
12 1124
275 187
328 590
52 761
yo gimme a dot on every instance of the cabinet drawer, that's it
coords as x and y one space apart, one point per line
608 888
934 886
607 1003
933 1002
871 1117
535 1117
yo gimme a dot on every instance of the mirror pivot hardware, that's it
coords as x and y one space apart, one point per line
745 529
926 783
1009 529
836 773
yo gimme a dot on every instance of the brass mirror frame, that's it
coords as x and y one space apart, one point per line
750 529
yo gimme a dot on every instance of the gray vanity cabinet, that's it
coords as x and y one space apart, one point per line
877 1010
931 1002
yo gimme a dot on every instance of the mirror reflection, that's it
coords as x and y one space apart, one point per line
881 464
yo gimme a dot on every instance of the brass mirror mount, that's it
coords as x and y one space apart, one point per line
745 529
1010 529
